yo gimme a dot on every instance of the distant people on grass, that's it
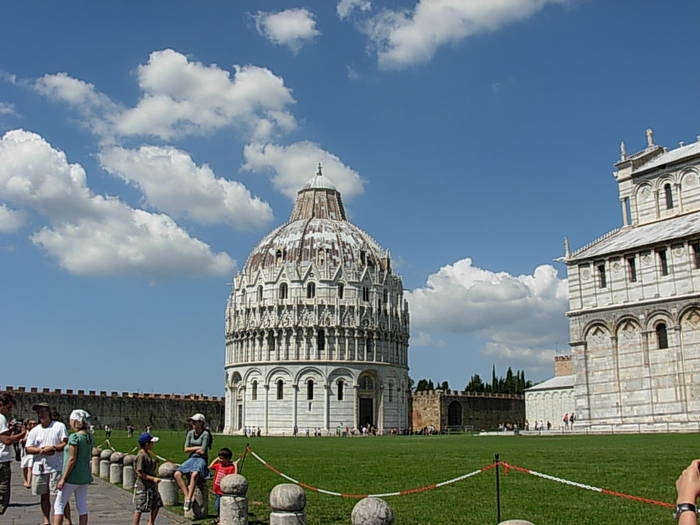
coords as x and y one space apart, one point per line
572 418
8 437
47 441
146 495
76 476
565 419
549 425
222 467
108 431
130 430
197 444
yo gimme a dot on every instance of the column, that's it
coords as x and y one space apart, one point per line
241 423
295 397
355 400
326 404
267 404
228 416
656 203
624 212
380 416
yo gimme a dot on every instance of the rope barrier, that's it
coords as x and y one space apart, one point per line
508 466
360 496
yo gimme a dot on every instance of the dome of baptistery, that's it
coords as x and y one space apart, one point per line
317 328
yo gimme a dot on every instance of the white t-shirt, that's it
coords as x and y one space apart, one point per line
5 450
41 436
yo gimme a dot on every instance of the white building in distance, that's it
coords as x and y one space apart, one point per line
634 298
317 327
550 400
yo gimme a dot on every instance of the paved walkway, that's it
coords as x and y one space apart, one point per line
109 505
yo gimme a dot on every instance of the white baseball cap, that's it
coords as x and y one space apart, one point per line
198 417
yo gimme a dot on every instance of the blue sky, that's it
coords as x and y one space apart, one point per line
145 147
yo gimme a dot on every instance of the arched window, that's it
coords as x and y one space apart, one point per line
341 385
341 290
386 296
365 293
391 392
280 389
310 389
661 335
321 339
366 383
363 257
669 196
260 292
283 290
311 290
278 256
243 296
254 393
369 344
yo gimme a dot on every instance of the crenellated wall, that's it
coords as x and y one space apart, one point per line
475 411
160 411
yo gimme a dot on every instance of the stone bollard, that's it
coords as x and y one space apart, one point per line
200 501
233 505
128 474
115 467
372 511
516 522
287 501
95 462
104 463
167 486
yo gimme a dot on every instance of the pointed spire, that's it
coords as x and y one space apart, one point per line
320 171
567 249
623 150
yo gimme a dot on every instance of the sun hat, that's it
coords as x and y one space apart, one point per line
198 417
37 406
79 415
147 438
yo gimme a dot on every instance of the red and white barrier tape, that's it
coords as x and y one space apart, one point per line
508 466
360 496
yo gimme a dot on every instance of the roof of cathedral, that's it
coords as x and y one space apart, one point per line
637 236
317 232
554 383
670 157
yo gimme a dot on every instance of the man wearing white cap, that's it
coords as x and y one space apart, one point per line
197 444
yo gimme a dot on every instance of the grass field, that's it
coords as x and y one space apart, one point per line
641 465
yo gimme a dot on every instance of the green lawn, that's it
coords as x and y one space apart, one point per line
641 465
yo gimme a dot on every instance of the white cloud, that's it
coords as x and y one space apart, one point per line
518 316
291 28
173 183
11 220
182 97
295 164
91 234
404 38
7 109
345 7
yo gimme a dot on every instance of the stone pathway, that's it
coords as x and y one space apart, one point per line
109 505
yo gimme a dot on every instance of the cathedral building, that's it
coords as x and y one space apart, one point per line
635 300
317 327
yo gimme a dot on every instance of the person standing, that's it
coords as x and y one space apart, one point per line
7 440
44 441
27 459
76 475
146 496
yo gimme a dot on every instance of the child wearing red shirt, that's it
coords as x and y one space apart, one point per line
222 467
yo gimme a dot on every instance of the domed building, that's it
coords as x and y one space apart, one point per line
317 327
